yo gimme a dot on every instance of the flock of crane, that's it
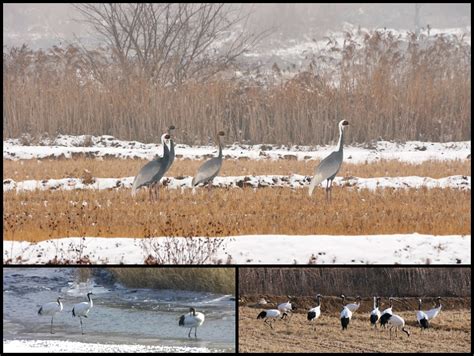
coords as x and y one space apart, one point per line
386 317
151 173
191 320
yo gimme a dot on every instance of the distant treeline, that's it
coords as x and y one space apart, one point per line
388 88
364 281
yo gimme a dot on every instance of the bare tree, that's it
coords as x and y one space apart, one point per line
171 42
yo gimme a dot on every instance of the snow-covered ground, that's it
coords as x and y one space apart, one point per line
282 181
253 249
30 346
65 146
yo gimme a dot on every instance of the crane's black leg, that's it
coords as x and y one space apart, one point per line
189 334
52 325
195 332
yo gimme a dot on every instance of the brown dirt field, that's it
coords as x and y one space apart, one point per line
117 168
40 215
450 332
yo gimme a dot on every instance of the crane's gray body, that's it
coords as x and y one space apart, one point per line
329 166
209 169
153 171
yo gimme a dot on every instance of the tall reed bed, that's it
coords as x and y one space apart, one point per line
386 86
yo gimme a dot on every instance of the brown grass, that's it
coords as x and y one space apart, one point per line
118 168
451 332
389 88
35 216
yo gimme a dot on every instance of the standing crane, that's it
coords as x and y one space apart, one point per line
433 313
386 313
315 312
209 169
82 309
345 315
51 308
191 320
421 317
329 166
375 313
153 171
286 308
397 322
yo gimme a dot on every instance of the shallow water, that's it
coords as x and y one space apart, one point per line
120 315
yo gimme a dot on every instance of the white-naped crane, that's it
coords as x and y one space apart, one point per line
345 315
51 308
315 312
286 308
271 314
210 169
352 306
421 317
397 322
192 320
151 173
375 313
329 166
386 313
82 309
433 313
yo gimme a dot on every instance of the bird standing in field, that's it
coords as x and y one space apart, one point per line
345 315
286 308
82 309
272 314
397 322
386 314
315 312
191 320
209 169
421 317
151 173
51 308
375 313
433 313
329 166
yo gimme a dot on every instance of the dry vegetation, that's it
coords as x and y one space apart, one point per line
40 215
389 88
118 168
404 281
451 332
216 280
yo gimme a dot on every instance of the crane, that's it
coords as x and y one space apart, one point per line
329 166
272 314
191 320
375 313
82 309
209 169
51 308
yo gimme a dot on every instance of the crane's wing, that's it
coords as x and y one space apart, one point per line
146 174
208 170
328 167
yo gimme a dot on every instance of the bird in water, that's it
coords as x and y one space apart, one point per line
191 320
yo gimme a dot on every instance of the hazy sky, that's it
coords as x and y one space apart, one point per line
42 25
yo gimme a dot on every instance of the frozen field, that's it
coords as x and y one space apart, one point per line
254 249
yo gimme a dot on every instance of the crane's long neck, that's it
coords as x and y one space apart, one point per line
319 300
419 305
220 146
59 302
375 302
341 139
166 151
90 300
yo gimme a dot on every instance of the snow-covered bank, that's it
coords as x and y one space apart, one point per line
109 147
278 181
30 346
253 249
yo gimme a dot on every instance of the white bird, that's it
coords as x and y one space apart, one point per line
330 165
82 309
433 313
272 314
386 313
315 312
375 313
191 320
51 308
286 308
421 317
345 315
397 322
352 306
